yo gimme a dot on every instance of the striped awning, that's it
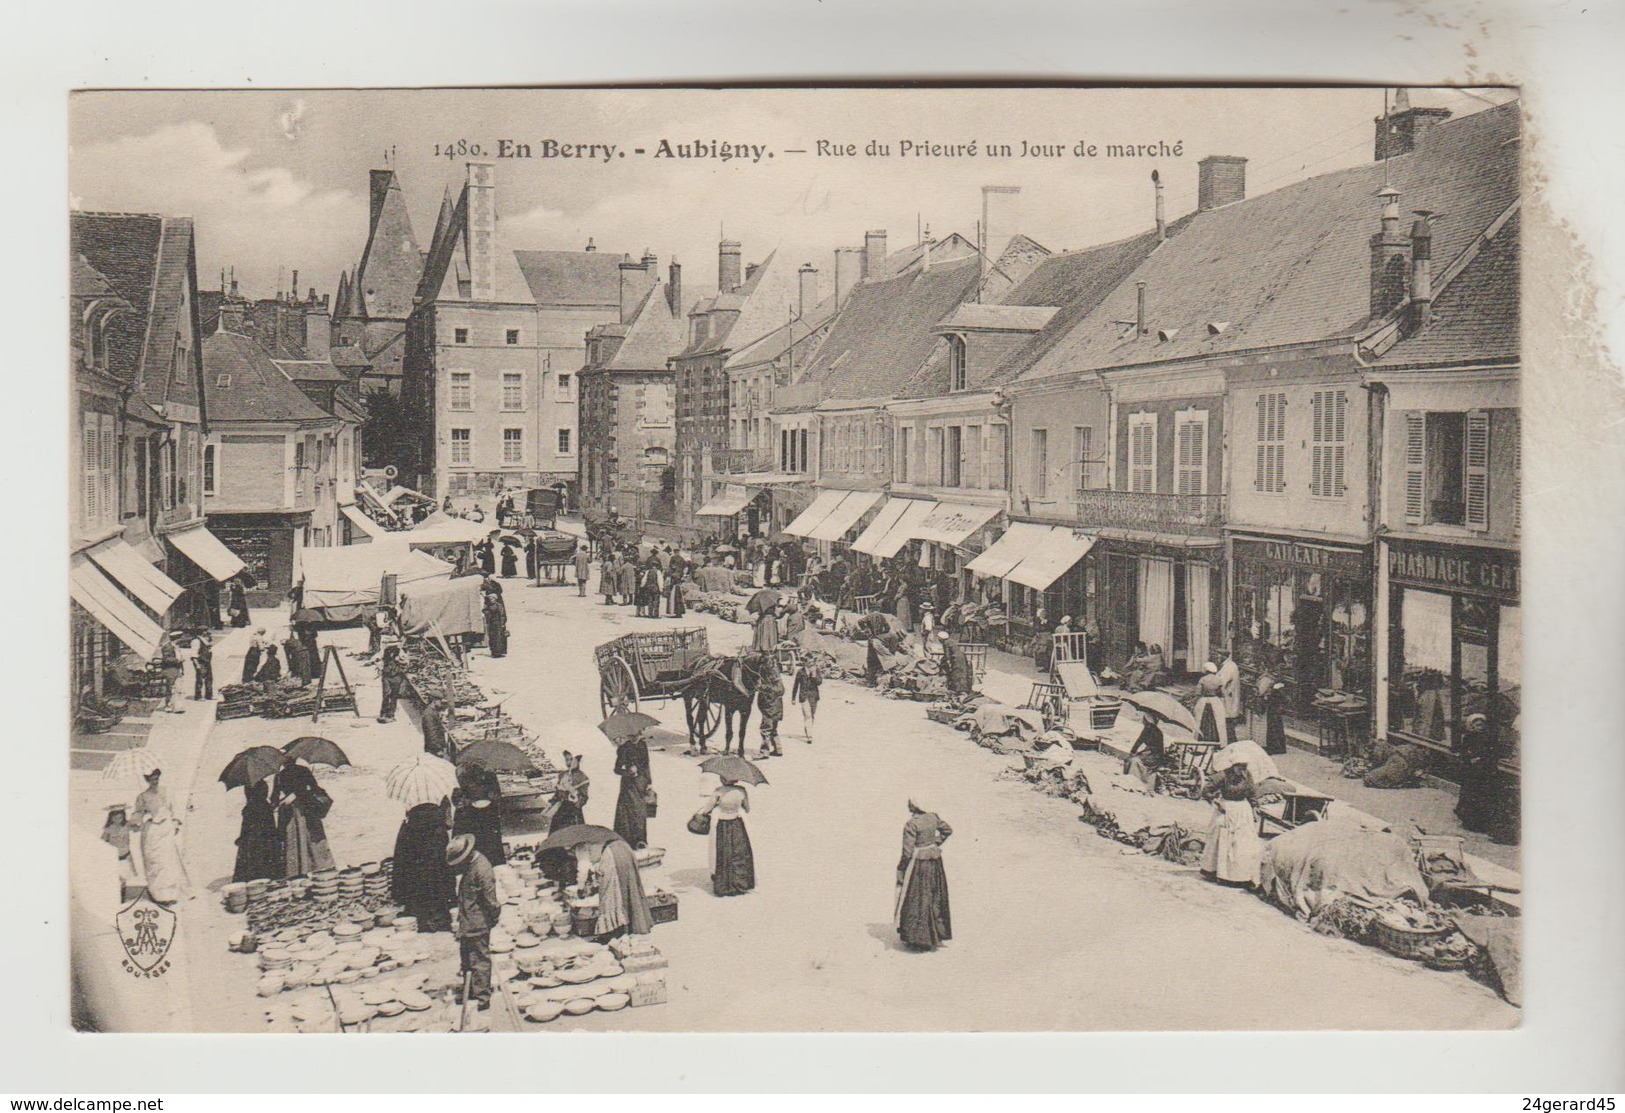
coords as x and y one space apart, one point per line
207 552
730 501
854 506
808 519
113 609
136 574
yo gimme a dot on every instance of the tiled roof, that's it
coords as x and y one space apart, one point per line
311 370
572 277
1293 266
1475 318
950 248
752 316
1017 318
243 383
86 281
797 332
883 336
654 336
349 355
391 263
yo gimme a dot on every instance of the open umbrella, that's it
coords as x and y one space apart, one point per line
1165 707
423 780
498 757
764 600
625 724
316 751
129 765
252 766
578 834
734 768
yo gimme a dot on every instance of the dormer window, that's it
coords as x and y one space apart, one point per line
958 373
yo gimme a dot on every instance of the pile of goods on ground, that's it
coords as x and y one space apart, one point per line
296 958
416 1001
572 977
726 606
314 903
432 676
282 699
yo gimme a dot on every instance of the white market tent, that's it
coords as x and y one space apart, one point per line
350 575
448 531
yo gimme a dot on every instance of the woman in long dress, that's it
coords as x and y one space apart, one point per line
922 920
155 817
606 577
259 849
496 624
632 807
733 866
1234 852
510 562
559 865
765 638
479 812
421 882
301 806
623 908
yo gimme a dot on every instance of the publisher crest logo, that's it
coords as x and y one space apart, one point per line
146 930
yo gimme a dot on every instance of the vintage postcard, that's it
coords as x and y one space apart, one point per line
795 560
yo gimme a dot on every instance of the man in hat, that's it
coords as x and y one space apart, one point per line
478 907
202 668
582 566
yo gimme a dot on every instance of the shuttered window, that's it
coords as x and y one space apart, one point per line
1517 473
1415 467
1476 472
1329 445
91 469
1269 468
1142 452
1040 463
1190 453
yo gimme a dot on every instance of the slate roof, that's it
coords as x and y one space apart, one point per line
310 370
391 263
883 334
655 335
1293 266
1475 318
85 281
445 267
257 390
567 278
349 355
147 260
720 330
1019 318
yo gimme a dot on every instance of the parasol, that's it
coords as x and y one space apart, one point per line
626 724
497 757
732 767
252 766
129 765
578 834
764 600
423 780
316 751
1164 706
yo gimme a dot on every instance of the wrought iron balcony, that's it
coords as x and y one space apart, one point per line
1165 513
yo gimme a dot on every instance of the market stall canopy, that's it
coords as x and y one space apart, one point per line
398 492
730 501
207 552
350 575
915 512
821 507
1049 558
880 525
951 522
845 516
448 531
1009 550
136 574
113 609
365 524
448 609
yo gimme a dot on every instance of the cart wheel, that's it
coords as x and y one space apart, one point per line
707 717
618 688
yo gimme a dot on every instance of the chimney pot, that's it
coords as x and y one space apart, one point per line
1139 309
674 287
1162 216
874 253
728 266
1220 180
808 275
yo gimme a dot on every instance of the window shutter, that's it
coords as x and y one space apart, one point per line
109 451
90 480
1415 462
1339 454
1517 473
1476 476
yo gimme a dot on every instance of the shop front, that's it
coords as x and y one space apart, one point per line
1163 591
264 544
1455 647
1303 617
736 511
1048 573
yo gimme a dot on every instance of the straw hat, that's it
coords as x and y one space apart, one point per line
459 850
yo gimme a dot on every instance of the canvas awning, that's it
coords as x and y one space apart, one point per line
1017 543
448 532
915 512
730 501
951 522
876 530
854 506
360 520
113 609
136 574
808 519
207 552
350 575
1051 556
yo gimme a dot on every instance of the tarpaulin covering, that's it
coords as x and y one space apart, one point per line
371 529
449 531
1310 866
350 575
447 609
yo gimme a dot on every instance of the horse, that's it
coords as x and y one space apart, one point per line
729 683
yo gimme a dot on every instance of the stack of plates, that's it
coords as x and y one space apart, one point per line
415 1000
235 897
346 930
275 958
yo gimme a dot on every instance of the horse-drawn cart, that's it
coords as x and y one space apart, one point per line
677 664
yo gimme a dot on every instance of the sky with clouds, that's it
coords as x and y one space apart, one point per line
277 180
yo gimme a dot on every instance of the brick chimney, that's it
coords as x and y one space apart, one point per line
1401 128
1220 180
874 253
1390 259
998 223
1421 272
637 279
318 329
728 271
674 288
848 271
231 315
1162 213
808 275
482 231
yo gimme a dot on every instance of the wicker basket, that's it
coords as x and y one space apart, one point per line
1406 942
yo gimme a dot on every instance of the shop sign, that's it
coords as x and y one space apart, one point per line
1455 568
1295 554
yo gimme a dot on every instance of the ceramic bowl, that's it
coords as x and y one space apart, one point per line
415 1000
613 1002
580 1006
391 1008
543 1011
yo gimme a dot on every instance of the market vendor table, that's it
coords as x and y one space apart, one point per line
1296 808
